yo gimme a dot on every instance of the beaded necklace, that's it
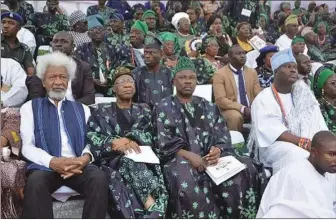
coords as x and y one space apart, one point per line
278 100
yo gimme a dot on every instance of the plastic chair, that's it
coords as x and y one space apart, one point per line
203 91
238 142
64 193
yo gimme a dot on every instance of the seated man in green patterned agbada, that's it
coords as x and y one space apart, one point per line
137 190
49 23
189 134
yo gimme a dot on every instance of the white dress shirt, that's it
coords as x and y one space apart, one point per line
68 93
236 77
13 76
28 38
38 155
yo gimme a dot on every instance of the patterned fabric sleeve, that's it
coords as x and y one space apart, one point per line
99 136
328 112
167 136
205 70
29 13
10 128
142 127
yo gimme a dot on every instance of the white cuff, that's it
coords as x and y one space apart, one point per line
46 160
87 151
242 109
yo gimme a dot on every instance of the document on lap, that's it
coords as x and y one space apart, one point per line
146 156
226 168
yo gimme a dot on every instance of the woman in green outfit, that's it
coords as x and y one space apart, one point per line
324 87
207 64
170 44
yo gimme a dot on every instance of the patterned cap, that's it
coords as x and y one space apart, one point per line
151 41
76 16
184 63
117 16
122 70
12 15
95 21
281 58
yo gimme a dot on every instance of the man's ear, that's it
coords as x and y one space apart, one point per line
113 88
313 152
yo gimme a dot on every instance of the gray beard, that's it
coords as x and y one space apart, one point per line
58 96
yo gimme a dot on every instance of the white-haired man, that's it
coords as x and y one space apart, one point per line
53 133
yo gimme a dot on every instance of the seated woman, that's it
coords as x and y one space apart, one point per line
12 171
314 50
324 40
270 32
207 64
215 27
181 23
264 69
137 190
170 44
324 90
244 33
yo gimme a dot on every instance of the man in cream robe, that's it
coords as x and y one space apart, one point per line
301 190
303 116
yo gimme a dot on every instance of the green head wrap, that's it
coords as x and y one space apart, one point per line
285 5
141 26
265 16
206 41
184 63
320 79
168 36
317 24
148 13
298 39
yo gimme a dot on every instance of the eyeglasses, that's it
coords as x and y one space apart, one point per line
124 81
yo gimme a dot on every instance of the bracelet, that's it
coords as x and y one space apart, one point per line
304 142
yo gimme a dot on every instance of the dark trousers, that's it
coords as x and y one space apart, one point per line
92 184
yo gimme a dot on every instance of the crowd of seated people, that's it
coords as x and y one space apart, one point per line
150 59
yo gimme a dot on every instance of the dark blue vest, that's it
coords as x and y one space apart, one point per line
47 128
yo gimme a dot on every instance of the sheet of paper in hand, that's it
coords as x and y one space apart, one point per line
257 43
226 168
146 156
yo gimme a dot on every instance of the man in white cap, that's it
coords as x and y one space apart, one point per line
285 116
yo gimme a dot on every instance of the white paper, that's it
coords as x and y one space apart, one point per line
246 12
257 43
226 168
101 76
146 156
